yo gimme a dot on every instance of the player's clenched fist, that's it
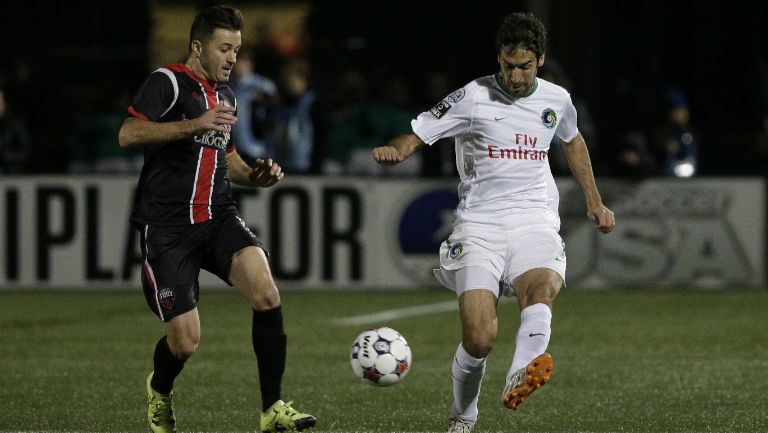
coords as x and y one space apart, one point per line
603 218
387 155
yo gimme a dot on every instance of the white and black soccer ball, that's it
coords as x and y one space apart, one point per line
380 356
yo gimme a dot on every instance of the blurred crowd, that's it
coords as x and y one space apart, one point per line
330 129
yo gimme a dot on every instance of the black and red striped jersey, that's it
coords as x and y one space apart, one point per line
182 182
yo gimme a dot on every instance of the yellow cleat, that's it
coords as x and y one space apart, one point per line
160 410
282 417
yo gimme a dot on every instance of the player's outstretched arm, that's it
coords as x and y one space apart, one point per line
397 150
581 168
139 132
264 173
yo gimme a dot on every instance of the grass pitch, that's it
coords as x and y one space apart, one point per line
625 361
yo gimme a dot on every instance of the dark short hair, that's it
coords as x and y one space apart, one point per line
522 30
212 18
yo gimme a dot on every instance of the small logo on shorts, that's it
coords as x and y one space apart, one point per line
245 227
561 257
166 298
455 250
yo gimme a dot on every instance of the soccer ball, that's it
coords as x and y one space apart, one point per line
380 356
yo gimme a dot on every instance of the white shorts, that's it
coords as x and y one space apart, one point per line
505 255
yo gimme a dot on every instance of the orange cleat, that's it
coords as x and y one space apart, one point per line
526 380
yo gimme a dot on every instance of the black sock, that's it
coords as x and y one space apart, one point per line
269 343
167 367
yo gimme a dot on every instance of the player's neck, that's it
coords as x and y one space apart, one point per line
194 65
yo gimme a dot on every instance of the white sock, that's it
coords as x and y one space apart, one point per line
468 374
532 336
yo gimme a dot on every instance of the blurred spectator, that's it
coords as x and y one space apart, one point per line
676 141
635 161
553 72
256 96
14 140
94 147
359 124
293 133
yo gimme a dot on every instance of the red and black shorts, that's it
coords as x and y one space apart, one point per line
173 257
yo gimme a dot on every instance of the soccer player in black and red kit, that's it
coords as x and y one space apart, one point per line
183 115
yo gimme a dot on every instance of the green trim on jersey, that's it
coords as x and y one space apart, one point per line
505 89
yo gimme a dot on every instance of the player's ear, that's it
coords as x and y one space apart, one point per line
196 47
541 59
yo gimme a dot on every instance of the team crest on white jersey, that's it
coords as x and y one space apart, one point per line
549 118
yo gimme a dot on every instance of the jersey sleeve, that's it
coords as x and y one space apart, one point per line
156 96
450 117
567 128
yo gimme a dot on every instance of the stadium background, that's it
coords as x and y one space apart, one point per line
74 65
676 343
70 59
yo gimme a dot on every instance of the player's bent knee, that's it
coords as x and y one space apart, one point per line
478 349
479 344
264 299
545 295
184 348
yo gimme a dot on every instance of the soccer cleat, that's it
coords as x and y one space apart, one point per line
459 426
282 417
160 410
526 380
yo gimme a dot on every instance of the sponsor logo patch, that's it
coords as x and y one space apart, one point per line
549 118
456 96
166 298
440 109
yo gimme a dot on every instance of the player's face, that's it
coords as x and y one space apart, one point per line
219 54
518 69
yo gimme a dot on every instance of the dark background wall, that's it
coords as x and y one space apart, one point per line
619 56
61 59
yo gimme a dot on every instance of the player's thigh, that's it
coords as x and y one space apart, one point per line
250 273
537 286
172 257
535 249
238 257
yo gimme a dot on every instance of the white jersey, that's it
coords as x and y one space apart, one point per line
501 149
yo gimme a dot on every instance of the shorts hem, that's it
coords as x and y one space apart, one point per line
174 313
557 271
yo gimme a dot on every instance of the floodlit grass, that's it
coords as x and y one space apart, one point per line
626 361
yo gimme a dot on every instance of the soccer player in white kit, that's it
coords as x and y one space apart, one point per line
505 237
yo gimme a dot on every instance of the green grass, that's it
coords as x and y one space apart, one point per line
625 361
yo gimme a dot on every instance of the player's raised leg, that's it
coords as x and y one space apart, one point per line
531 367
250 273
